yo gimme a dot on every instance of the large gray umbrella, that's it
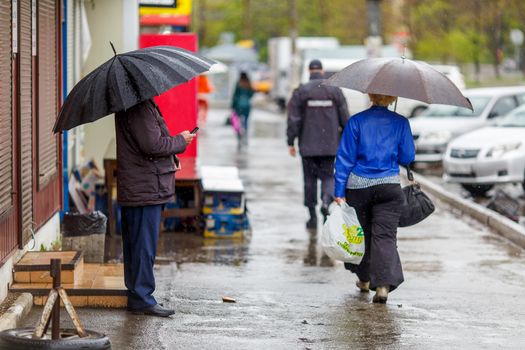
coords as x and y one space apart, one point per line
398 76
127 79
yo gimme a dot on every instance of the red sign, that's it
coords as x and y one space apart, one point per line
178 105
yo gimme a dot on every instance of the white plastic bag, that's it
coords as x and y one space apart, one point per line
343 237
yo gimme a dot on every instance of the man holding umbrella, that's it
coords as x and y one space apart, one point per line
146 163
146 153
316 115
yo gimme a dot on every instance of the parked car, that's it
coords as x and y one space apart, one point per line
488 156
440 124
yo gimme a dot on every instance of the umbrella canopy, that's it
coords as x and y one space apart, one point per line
398 76
128 79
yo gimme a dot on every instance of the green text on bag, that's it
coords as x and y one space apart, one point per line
354 235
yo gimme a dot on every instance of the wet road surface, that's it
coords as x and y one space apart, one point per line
463 285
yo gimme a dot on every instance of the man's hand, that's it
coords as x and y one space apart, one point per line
340 200
292 151
188 137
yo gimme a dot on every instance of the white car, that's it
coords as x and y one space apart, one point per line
488 156
440 124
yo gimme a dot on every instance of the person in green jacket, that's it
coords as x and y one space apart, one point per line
241 102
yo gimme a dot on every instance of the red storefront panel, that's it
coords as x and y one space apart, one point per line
178 105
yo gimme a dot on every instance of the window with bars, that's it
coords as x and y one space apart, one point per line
47 63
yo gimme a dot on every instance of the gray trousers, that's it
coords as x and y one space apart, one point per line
318 168
378 210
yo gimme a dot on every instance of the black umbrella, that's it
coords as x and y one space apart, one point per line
398 76
128 79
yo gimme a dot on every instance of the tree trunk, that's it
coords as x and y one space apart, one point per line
247 31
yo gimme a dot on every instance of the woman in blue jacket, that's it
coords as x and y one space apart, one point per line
374 143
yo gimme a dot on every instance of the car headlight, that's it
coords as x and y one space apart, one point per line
500 150
439 137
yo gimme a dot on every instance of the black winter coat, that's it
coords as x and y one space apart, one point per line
146 161
317 115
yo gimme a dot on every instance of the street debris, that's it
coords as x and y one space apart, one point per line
228 300
505 205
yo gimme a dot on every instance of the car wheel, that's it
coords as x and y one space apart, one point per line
417 111
477 190
20 338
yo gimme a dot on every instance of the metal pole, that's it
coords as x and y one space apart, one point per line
374 40
374 18
294 33
56 267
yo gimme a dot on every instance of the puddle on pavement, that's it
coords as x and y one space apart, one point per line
180 247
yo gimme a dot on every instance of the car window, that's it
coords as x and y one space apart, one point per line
503 106
515 119
478 103
521 99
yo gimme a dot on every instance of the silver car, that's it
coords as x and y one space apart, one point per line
488 156
440 124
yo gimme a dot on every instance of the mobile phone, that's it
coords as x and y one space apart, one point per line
194 131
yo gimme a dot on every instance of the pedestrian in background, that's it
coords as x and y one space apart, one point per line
241 103
374 143
317 115
204 88
146 165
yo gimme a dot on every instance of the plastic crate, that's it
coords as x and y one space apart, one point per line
226 226
223 196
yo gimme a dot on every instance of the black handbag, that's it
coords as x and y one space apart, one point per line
417 205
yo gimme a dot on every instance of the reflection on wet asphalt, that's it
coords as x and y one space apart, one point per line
463 285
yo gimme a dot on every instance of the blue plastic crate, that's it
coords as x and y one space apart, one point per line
226 226
223 203
223 196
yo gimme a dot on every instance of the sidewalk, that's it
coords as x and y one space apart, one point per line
463 284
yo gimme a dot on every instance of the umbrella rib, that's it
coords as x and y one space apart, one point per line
424 86
376 77
132 81
118 93
108 95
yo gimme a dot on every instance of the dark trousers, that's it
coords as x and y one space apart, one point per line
378 210
140 234
318 168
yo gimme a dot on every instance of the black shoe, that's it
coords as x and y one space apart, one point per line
155 310
324 212
312 223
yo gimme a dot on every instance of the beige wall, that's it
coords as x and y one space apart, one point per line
115 21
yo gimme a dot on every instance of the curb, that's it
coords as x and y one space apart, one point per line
20 308
507 228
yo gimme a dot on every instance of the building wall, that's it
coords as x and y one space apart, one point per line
49 232
115 21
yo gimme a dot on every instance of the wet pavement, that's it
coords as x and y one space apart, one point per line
463 284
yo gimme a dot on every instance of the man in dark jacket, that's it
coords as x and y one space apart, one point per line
146 165
317 115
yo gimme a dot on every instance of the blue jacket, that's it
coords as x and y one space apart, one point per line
373 144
